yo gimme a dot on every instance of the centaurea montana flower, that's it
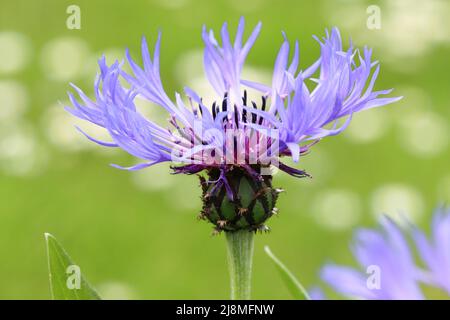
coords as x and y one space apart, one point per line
388 270
234 140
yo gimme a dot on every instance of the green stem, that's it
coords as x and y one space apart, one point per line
240 256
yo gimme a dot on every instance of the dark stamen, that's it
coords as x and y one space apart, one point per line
224 102
264 100
213 109
260 120
254 116
236 117
244 98
235 148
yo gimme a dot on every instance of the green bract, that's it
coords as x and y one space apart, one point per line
253 201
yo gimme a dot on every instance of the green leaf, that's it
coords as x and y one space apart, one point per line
294 286
66 280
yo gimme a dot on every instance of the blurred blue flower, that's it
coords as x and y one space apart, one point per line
435 252
233 132
388 270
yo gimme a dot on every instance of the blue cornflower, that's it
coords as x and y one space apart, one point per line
233 138
388 269
435 252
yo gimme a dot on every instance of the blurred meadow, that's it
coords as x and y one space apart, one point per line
135 235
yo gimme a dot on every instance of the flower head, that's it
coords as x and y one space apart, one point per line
388 269
233 137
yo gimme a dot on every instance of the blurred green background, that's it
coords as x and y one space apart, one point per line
135 235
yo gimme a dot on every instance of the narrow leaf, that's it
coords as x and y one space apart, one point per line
66 279
294 286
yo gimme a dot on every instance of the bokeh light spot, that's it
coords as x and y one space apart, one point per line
367 126
20 152
336 209
113 290
13 100
398 201
423 133
64 59
15 52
